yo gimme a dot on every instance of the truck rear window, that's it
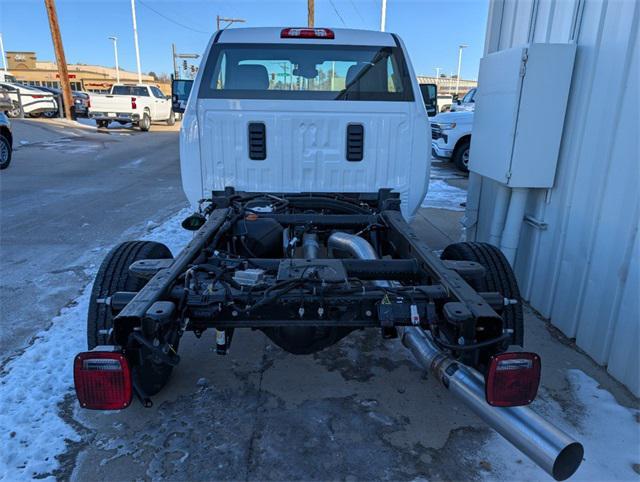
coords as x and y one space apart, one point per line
130 90
306 72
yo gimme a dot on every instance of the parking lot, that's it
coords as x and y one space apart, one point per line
355 411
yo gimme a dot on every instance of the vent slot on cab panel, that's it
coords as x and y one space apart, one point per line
257 141
355 142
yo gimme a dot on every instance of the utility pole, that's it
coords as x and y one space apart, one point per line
67 99
4 59
229 20
383 16
460 47
437 69
176 73
115 53
135 39
311 13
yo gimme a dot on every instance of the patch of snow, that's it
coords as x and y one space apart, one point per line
609 432
34 385
85 122
444 196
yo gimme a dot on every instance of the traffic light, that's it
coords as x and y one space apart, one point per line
184 65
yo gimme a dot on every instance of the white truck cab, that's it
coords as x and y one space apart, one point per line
305 110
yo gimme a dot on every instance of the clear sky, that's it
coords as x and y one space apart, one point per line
431 29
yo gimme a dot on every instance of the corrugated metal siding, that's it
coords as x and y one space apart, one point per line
582 272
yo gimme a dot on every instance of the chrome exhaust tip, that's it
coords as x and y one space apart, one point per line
550 448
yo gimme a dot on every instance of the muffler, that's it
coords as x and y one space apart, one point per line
549 447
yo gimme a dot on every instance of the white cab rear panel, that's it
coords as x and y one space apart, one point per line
306 147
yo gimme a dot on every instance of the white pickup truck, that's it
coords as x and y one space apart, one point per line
451 137
305 151
138 104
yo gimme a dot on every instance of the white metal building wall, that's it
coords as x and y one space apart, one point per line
583 271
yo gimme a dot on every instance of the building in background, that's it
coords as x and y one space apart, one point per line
89 78
447 85
578 257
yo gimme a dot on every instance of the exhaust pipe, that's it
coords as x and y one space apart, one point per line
549 447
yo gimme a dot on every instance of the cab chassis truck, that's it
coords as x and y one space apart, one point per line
308 267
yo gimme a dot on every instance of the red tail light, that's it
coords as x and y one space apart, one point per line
102 380
89 102
37 96
512 379
133 103
322 33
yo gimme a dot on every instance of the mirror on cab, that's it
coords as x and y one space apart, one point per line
180 90
455 99
430 98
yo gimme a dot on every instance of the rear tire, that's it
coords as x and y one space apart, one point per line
461 156
102 124
5 152
145 123
113 276
498 277
172 119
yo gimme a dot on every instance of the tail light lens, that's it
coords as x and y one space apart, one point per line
89 102
319 33
512 379
102 380
37 96
133 103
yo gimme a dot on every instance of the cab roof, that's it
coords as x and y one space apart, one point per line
271 35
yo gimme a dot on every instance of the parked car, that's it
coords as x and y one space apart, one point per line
303 191
6 141
80 101
138 104
451 137
31 101
467 103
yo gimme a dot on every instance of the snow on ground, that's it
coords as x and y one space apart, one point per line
609 432
444 196
34 384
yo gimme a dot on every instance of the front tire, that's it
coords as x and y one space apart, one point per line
498 277
145 123
114 276
5 152
461 156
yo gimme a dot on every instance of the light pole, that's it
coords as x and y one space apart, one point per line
383 16
460 47
115 53
4 59
135 39
437 69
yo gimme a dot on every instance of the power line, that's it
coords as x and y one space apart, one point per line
173 20
337 13
357 11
